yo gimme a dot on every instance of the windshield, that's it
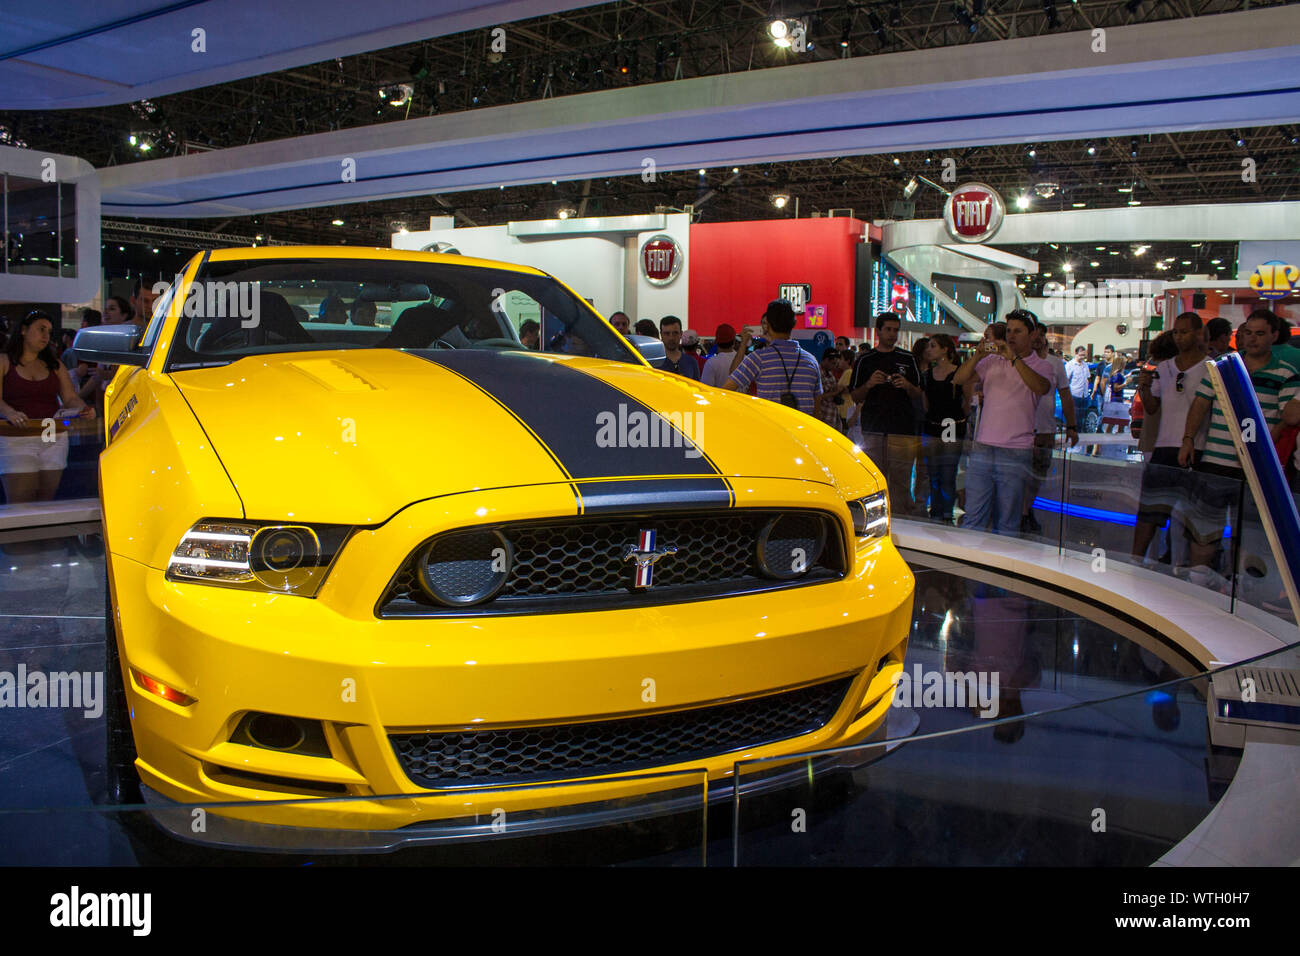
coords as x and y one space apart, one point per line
263 306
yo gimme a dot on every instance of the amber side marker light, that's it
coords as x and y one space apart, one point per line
161 689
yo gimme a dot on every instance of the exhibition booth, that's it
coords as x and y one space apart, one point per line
353 571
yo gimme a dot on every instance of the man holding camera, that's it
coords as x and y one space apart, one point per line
1013 379
886 381
784 372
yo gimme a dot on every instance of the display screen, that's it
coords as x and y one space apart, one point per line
892 290
979 297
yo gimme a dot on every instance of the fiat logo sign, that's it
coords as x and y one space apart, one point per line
661 259
973 213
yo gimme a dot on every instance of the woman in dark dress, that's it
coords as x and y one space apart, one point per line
946 408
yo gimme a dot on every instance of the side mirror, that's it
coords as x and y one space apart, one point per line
651 349
109 345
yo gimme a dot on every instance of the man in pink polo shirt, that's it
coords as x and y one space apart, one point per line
1012 378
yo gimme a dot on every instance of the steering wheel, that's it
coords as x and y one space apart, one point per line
443 343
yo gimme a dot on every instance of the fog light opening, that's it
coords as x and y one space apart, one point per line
275 732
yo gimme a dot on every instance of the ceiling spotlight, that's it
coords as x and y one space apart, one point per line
1092 150
910 188
779 200
337 222
1123 189
735 170
1141 250
962 16
1032 152
399 95
1094 264
702 172
844 34
1135 202
1186 262
1022 201
1046 189
568 212
1078 205
1133 147
897 161
778 29
132 139
1067 267
1215 262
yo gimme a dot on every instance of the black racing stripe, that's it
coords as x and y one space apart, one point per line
683 494
566 409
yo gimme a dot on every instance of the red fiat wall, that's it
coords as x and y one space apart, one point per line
736 268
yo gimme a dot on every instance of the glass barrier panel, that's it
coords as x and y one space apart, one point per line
647 819
1117 781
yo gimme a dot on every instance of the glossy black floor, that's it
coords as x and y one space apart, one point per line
1112 783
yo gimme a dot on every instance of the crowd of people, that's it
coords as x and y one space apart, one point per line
997 413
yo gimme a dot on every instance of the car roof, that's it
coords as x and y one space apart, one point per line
370 253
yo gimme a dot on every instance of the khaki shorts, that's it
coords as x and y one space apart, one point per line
32 453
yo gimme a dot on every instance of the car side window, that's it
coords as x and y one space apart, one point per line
517 308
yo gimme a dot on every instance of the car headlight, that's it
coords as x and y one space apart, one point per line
258 556
870 516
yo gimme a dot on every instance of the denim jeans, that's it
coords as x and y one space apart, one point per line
941 458
995 488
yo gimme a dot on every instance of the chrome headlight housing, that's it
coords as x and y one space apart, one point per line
258 556
870 516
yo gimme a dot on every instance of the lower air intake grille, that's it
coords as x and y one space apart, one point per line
530 754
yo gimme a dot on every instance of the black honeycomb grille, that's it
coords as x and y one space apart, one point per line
581 564
531 754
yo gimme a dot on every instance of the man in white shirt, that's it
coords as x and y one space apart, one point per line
1077 371
718 365
1045 426
1171 389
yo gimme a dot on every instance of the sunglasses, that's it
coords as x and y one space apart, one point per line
1178 382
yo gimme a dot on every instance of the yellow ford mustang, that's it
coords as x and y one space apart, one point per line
364 545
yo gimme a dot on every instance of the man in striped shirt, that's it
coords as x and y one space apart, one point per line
1277 386
784 372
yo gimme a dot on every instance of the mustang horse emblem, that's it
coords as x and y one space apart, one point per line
645 554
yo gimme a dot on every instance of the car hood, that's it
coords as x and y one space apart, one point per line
353 436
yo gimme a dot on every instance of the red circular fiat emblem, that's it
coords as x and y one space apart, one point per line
661 259
973 213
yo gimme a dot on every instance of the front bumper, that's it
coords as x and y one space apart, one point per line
330 660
